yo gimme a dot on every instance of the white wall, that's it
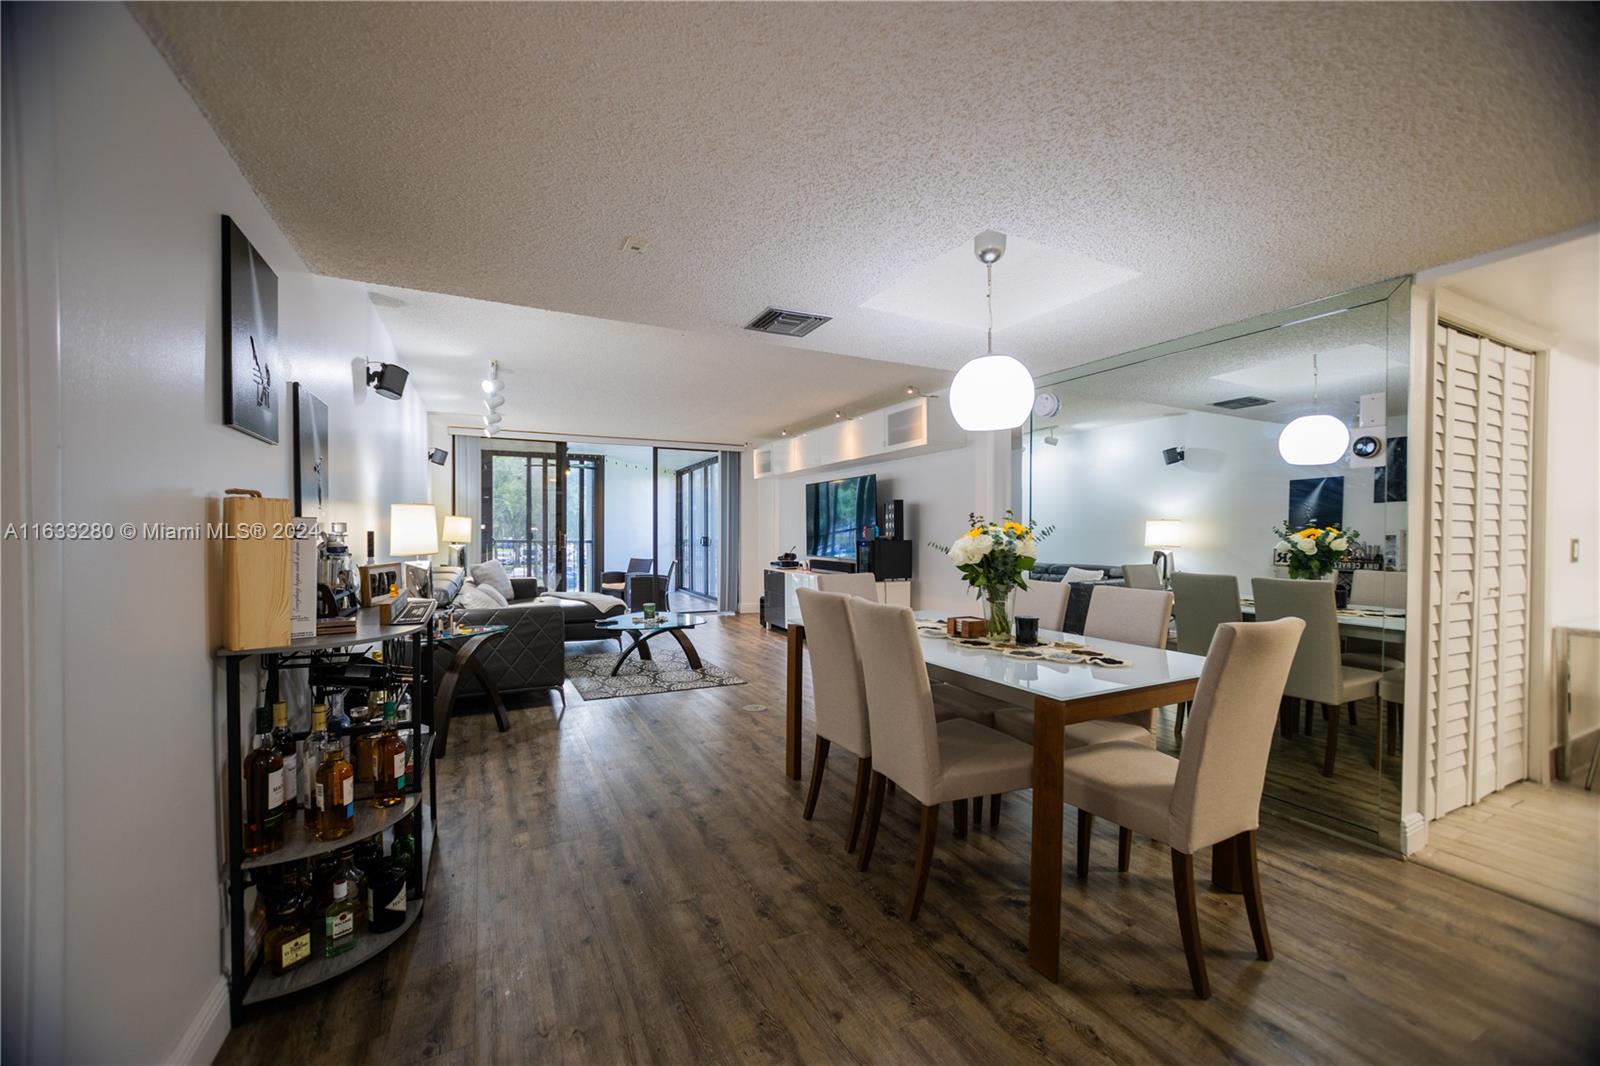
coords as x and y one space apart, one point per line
141 181
1572 512
1099 486
940 489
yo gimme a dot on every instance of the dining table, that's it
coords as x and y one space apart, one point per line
1060 693
1356 620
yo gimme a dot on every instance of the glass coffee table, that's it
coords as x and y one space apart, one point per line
642 629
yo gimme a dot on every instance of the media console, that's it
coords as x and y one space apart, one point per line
778 587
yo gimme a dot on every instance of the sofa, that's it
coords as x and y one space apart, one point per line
530 656
578 616
1078 598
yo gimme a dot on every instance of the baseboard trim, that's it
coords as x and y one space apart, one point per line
202 1040
1413 833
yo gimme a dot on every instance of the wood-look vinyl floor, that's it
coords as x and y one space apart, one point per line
636 884
1534 842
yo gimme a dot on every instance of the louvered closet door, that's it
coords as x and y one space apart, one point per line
1480 469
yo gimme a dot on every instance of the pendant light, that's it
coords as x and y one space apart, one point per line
993 391
1313 440
493 399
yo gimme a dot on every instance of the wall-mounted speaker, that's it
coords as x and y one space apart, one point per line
1172 455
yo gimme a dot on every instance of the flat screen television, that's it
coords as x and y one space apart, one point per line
838 513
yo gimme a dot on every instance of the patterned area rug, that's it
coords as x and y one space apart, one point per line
590 674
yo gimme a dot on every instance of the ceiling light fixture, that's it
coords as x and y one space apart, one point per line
1313 440
493 399
992 391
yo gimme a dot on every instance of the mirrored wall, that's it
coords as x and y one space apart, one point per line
1167 460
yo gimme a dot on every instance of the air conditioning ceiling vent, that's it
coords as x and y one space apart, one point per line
786 323
1240 402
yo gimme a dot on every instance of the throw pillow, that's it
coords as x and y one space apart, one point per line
493 575
1076 574
494 594
477 598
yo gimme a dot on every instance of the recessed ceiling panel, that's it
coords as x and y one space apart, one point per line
1029 281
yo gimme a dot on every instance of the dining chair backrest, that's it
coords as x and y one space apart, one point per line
1217 794
905 741
1044 600
1201 603
1133 616
1378 588
1317 673
639 566
863 585
1142 575
837 686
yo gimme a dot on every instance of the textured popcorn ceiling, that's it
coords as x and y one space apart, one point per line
1236 158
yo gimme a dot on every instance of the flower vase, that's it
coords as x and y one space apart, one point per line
997 614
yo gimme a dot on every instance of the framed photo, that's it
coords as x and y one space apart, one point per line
250 382
376 581
310 452
405 612
417 579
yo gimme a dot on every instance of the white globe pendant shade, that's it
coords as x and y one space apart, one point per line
1313 440
991 392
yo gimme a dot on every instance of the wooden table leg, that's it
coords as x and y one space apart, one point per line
1225 876
444 699
494 693
1044 860
638 643
688 649
794 687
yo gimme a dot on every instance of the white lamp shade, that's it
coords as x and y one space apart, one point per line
991 392
1163 533
1313 440
413 529
457 529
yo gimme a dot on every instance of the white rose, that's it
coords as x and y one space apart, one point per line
961 552
1284 546
1307 545
982 545
1339 544
1028 547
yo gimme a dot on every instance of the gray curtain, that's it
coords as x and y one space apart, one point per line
468 452
728 561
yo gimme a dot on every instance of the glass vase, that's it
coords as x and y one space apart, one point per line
997 614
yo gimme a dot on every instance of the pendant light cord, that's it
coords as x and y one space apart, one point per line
988 268
1315 382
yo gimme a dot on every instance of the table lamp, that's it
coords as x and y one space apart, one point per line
1164 534
414 530
457 532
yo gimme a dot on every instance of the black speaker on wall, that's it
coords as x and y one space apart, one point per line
894 520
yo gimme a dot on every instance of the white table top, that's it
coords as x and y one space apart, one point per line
1022 678
1389 619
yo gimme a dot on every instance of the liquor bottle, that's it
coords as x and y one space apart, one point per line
283 741
311 759
386 896
339 918
288 940
389 756
335 793
263 790
351 871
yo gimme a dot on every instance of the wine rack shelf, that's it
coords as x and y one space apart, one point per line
299 844
268 985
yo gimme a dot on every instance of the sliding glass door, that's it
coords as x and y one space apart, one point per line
697 492
542 513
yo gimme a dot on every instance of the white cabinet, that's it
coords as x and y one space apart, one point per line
922 424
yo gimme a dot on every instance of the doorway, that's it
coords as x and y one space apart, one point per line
697 528
543 514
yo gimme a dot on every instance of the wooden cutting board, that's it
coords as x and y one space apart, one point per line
256 574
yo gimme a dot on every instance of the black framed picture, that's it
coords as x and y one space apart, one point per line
249 337
1316 502
310 452
1389 482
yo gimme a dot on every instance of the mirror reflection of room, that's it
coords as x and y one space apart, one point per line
1170 472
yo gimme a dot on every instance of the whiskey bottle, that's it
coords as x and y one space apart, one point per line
283 741
288 940
335 793
389 757
386 895
351 871
310 760
339 918
263 791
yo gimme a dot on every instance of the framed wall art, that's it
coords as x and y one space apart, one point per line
250 381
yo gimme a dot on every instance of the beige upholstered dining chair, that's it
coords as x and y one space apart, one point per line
1318 675
1378 588
1130 616
1375 588
935 762
1201 603
840 694
1044 600
1212 793
863 585
1142 575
